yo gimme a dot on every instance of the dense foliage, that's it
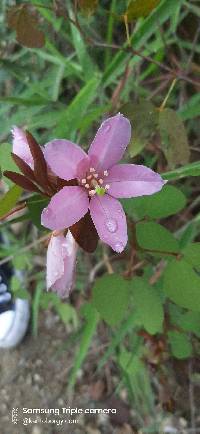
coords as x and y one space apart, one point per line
86 61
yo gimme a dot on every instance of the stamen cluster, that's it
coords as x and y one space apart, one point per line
94 182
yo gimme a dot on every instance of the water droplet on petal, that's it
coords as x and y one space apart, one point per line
111 225
119 247
47 212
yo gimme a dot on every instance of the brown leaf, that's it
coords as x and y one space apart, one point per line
40 165
22 181
85 233
88 7
138 8
23 166
21 19
13 15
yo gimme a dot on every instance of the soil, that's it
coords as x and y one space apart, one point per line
34 376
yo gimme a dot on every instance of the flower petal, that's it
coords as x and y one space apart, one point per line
21 147
110 142
64 158
110 221
132 180
61 262
66 207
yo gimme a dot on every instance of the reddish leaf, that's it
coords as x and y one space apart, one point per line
40 166
63 183
22 181
85 233
24 167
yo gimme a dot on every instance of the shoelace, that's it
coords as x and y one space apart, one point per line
5 296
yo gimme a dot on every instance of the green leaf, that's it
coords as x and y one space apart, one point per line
192 169
152 236
138 8
71 117
182 285
187 321
173 138
139 39
85 60
130 363
36 204
125 328
67 313
111 298
192 254
144 119
191 108
88 331
6 161
148 305
180 345
9 200
166 202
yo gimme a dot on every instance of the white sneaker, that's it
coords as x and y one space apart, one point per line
14 315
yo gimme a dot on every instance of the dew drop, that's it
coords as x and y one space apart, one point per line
119 247
48 212
111 225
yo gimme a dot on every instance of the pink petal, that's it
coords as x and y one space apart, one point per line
21 147
110 142
110 221
61 263
131 180
64 158
66 207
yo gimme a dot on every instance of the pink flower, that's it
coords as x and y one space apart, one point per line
100 182
21 147
61 262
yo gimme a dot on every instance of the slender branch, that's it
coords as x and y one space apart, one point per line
13 211
176 74
168 94
24 249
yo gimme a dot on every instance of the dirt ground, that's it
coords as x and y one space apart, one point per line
35 376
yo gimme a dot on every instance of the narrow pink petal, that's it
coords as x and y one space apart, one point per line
110 221
64 158
131 180
66 207
110 142
21 147
61 263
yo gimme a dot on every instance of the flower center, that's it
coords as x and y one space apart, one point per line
95 182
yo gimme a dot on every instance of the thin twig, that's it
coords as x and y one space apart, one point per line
24 249
175 74
13 211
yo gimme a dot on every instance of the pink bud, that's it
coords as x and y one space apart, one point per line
61 262
20 146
